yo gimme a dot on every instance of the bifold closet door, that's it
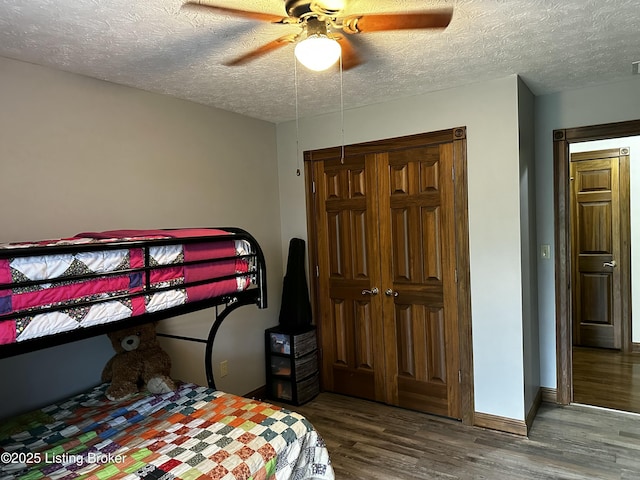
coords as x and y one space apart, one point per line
384 243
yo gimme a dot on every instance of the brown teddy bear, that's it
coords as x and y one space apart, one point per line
139 361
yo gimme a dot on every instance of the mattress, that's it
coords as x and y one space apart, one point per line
46 294
193 433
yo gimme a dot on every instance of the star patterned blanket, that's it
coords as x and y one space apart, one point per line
46 294
195 433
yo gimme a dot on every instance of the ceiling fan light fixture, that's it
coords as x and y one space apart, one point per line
318 52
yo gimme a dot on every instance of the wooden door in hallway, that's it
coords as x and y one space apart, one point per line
384 238
597 218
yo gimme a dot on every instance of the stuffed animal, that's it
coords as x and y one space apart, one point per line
139 362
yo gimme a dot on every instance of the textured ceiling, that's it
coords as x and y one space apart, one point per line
156 46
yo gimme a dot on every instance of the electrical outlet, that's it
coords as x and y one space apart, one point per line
224 368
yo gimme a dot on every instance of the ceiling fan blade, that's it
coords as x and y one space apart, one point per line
350 57
397 21
263 50
202 6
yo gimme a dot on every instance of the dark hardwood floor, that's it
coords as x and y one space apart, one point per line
606 378
371 441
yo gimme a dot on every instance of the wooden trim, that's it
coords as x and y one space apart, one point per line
561 141
635 348
562 268
625 247
259 393
603 131
549 395
503 424
387 145
533 411
312 253
464 276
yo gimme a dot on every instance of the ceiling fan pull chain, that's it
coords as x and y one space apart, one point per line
341 113
295 81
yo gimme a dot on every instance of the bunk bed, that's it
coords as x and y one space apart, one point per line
57 291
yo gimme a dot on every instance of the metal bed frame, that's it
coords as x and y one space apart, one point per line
222 305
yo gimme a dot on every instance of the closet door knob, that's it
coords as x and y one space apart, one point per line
373 291
612 264
390 293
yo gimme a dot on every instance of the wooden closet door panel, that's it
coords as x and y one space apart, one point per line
348 270
416 226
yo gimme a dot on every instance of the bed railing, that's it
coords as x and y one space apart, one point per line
224 304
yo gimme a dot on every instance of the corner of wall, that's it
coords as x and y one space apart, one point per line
529 248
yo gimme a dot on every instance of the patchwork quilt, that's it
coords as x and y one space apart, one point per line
47 294
195 433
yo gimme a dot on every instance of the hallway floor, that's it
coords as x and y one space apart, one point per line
606 378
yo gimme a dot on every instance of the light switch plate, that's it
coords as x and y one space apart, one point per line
545 251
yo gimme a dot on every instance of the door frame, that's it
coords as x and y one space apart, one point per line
562 138
459 138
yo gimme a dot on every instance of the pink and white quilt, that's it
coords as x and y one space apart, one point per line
53 293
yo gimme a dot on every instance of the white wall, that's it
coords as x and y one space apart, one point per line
614 102
78 154
634 178
490 113
530 337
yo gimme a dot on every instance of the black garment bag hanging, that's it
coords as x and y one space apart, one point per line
295 311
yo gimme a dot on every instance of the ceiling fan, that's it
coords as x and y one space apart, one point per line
322 26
